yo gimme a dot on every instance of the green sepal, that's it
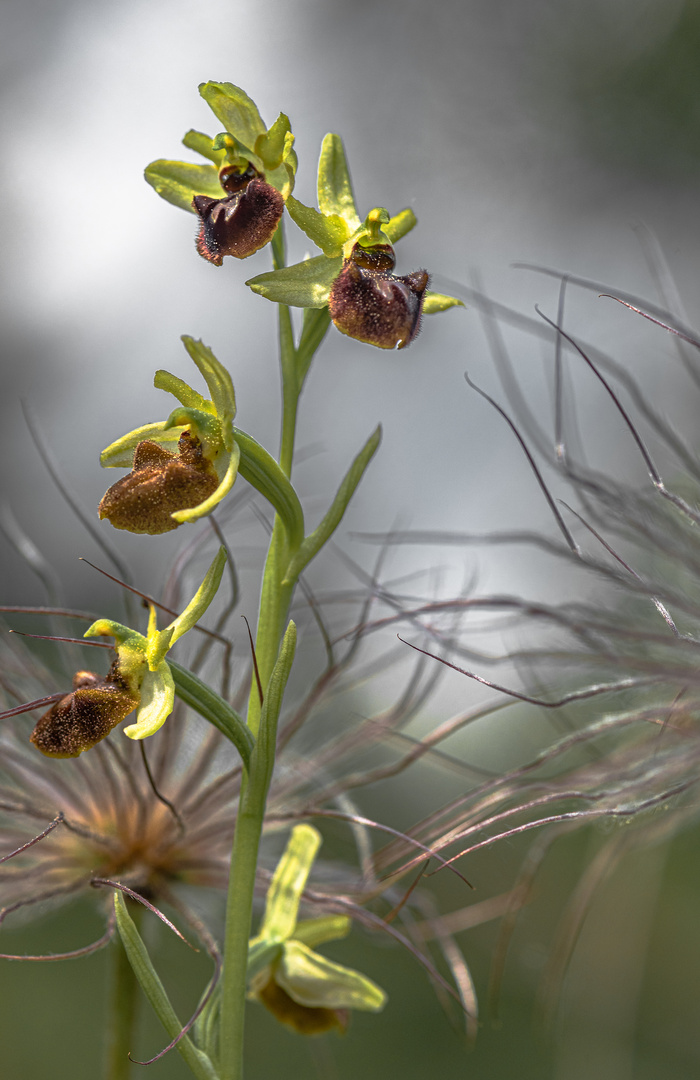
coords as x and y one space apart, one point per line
322 534
205 701
305 284
204 145
157 702
219 384
159 641
325 928
434 302
271 145
288 883
312 980
120 454
179 181
149 981
335 194
400 224
236 111
261 470
327 231
261 953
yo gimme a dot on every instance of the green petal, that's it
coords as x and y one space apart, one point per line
328 232
271 145
203 144
288 883
334 187
120 454
326 928
157 702
400 224
434 302
227 482
313 980
305 284
219 384
236 111
188 397
179 181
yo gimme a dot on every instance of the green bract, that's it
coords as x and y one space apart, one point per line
305 990
245 141
335 228
141 660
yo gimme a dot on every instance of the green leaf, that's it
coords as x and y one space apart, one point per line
261 470
270 147
262 761
313 980
120 454
399 225
334 187
154 990
204 145
288 883
328 232
179 181
205 701
320 536
313 330
305 284
236 111
434 302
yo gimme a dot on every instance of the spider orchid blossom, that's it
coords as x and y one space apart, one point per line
140 678
182 467
240 196
353 277
304 990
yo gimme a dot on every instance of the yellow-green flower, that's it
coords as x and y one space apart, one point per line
240 196
304 990
182 467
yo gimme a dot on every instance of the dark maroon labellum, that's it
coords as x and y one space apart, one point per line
240 224
160 483
86 716
371 304
233 179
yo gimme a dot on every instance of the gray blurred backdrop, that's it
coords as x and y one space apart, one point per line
556 133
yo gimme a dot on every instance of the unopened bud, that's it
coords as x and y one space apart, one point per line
371 304
159 484
85 716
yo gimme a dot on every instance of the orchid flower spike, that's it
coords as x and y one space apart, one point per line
240 196
304 990
353 277
182 467
140 678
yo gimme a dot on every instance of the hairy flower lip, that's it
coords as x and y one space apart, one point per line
240 224
374 305
86 715
160 484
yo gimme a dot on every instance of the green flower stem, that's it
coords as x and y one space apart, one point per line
122 1008
244 862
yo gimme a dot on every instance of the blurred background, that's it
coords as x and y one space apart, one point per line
565 135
